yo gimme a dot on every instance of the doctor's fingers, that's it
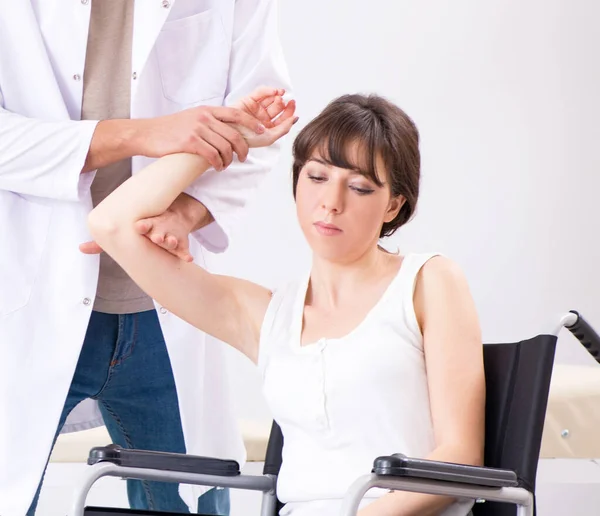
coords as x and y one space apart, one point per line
151 231
143 226
233 136
200 146
177 247
171 244
156 235
239 117
213 138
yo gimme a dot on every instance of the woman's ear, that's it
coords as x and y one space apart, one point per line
394 207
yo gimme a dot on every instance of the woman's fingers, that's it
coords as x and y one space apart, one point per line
265 103
263 92
276 107
273 134
287 114
283 128
257 110
282 118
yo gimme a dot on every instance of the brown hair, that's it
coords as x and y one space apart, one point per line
381 129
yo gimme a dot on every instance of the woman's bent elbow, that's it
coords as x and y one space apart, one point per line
101 226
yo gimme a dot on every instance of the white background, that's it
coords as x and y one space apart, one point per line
506 97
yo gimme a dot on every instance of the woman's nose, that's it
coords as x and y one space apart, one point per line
333 198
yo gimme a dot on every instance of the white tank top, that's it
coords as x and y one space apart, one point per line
343 402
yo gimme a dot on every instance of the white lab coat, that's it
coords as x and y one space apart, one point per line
185 53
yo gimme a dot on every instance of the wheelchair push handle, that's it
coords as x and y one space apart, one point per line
584 333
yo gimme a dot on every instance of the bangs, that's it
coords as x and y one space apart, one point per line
349 142
357 132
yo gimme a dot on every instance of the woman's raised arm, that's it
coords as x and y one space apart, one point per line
227 308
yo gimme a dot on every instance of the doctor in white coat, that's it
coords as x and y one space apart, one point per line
72 327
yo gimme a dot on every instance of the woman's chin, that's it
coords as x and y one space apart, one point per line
333 248
330 251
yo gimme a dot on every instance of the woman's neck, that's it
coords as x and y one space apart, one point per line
335 284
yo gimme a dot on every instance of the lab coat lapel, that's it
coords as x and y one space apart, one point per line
148 19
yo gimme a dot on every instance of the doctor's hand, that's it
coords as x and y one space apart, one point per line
171 229
208 131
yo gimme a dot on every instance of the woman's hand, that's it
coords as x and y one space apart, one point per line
268 106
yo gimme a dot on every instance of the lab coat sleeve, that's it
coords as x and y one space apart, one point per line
44 158
256 60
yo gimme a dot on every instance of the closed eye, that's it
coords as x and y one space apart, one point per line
357 189
362 191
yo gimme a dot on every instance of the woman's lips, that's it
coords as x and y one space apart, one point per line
327 229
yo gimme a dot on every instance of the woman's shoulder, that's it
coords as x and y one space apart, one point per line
430 271
437 266
290 286
432 277
439 278
411 263
281 317
284 297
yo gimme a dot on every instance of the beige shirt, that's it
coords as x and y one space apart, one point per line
107 95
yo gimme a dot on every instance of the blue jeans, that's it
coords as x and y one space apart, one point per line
124 365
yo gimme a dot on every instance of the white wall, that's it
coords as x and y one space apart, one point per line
506 96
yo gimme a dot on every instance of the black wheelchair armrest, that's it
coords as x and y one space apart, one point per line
163 461
399 465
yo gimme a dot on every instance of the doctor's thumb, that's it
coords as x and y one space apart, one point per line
90 248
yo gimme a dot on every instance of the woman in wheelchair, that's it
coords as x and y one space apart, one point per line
368 354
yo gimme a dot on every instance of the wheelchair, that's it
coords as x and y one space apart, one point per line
517 381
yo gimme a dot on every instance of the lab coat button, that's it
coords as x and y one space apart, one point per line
166 4
77 77
134 75
87 301
163 310
85 2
